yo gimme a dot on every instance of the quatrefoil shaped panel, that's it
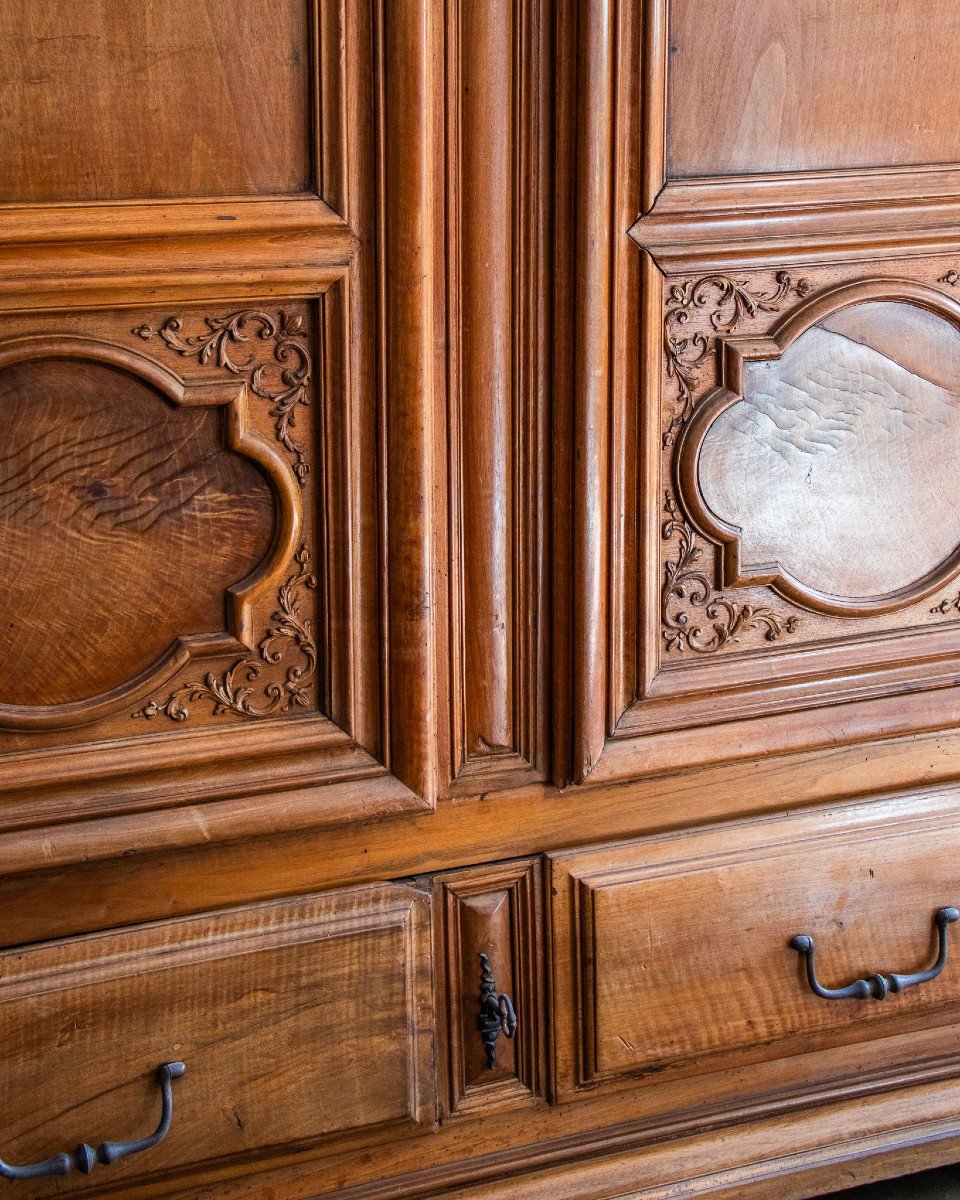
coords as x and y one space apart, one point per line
139 520
824 464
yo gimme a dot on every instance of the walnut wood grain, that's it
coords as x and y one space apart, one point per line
485 374
410 325
679 948
498 321
832 465
434 208
292 1018
781 105
127 520
496 911
162 101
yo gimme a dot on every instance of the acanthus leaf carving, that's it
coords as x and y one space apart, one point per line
687 583
290 357
725 303
235 690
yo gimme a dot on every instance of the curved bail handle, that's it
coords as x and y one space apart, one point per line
85 1157
877 986
508 1016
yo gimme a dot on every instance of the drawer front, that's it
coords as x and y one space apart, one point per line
488 922
673 955
299 1022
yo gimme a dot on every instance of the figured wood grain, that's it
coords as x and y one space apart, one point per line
495 910
299 1021
678 950
565 428
832 465
760 88
173 98
410 334
122 523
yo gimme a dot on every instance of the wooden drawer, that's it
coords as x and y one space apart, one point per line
299 1021
672 955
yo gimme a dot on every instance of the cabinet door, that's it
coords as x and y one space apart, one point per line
194 489
768 323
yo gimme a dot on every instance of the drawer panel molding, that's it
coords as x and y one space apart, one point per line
306 1025
677 955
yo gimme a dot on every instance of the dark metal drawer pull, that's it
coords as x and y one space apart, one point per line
496 1013
85 1158
877 986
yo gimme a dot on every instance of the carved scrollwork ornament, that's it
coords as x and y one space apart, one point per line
238 690
725 303
290 362
688 590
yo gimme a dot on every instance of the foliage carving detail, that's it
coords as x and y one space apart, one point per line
687 588
725 303
282 382
236 689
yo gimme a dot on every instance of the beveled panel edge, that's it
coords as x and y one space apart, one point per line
734 353
120 220
270 925
808 218
522 879
319 778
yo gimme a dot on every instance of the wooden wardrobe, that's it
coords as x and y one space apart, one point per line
480 608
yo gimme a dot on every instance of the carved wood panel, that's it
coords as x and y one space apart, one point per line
169 508
843 452
727 577
280 665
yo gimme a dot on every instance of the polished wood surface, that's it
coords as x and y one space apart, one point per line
782 105
117 102
475 479
298 1021
678 948
851 428
105 497
495 911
